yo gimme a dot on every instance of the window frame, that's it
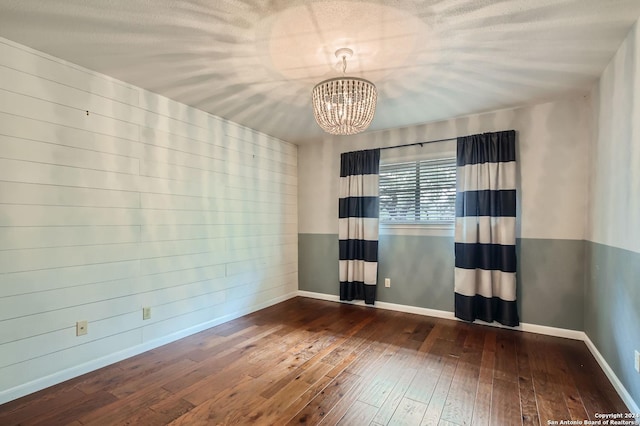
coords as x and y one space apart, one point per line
411 226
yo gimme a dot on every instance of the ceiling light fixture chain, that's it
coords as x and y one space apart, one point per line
344 53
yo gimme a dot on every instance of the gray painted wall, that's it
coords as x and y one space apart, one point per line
420 268
318 263
553 141
550 280
612 317
612 290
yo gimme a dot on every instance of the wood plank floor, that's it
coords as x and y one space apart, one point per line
307 361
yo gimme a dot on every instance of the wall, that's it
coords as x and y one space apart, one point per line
139 202
612 293
553 141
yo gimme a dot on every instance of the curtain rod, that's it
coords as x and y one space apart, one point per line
418 143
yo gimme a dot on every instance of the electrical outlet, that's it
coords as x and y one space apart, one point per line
146 313
637 363
387 282
81 328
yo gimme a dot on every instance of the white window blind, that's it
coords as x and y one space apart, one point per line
421 192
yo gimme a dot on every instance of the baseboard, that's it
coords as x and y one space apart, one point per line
381 305
541 329
617 384
70 373
531 328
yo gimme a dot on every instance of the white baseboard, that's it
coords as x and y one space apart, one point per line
381 305
617 384
70 373
531 328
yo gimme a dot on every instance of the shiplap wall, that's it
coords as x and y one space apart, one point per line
141 202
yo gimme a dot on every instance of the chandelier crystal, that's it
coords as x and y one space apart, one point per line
344 105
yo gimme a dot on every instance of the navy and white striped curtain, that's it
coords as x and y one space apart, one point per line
358 225
485 236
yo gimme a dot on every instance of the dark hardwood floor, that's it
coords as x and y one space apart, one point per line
306 361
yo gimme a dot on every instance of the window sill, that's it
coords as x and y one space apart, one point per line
422 229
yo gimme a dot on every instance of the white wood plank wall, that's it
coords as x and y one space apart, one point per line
142 202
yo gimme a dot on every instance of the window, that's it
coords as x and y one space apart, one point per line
418 192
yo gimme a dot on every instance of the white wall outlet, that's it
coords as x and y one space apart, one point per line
81 328
146 313
637 363
387 282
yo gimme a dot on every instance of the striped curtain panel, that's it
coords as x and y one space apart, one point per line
358 225
485 235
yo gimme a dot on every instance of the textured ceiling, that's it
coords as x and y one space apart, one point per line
255 62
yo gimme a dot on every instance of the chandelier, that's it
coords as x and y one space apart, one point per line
344 105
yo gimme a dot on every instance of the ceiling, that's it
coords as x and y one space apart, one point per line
255 62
